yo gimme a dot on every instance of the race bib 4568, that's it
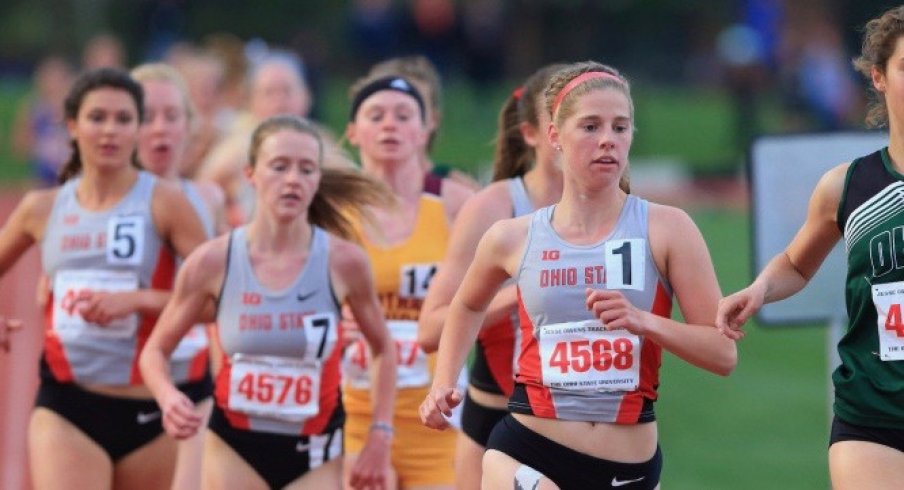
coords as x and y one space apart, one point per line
584 356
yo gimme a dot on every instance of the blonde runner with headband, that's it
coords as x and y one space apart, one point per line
590 75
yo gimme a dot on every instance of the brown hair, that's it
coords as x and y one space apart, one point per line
85 84
513 157
343 192
565 108
879 39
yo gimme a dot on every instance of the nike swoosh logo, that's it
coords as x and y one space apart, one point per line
302 446
305 297
145 417
620 483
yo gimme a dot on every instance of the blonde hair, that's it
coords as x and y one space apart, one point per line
161 72
566 106
345 193
879 41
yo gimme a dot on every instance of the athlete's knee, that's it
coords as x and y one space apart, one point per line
527 478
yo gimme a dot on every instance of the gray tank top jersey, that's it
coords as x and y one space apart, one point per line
521 206
86 249
520 201
195 342
194 197
272 324
552 280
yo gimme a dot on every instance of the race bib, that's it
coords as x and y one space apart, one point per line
415 280
321 332
890 322
584 356
69 284
411 360
125 240
625 263
280 388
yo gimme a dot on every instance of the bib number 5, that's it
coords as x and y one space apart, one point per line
125 240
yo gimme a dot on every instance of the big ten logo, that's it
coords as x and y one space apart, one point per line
253 299
549 255
601 355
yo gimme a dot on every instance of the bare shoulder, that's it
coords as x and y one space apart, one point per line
38 202
507 235
207 262
168 192
34 210
831 184
454 195
669 217
347 257
492 202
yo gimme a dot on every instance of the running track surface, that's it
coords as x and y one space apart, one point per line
18 367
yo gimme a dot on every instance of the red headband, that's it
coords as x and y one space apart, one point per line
518 93
583 77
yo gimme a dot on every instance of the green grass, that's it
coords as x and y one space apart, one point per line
11 169
766 425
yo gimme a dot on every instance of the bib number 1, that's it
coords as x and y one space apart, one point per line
625 263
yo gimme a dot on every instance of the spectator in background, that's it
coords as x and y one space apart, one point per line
373 30
819 87
483 32
103 51
276 87
433 30
204 75
230 50
38 134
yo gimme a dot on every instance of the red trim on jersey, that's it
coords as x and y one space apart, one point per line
162 279
199 365
530 372
652 352
498 343
330 379
221 393
54 353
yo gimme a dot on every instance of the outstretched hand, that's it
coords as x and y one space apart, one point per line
735 310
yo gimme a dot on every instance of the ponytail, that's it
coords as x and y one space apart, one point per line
343 198
512 157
